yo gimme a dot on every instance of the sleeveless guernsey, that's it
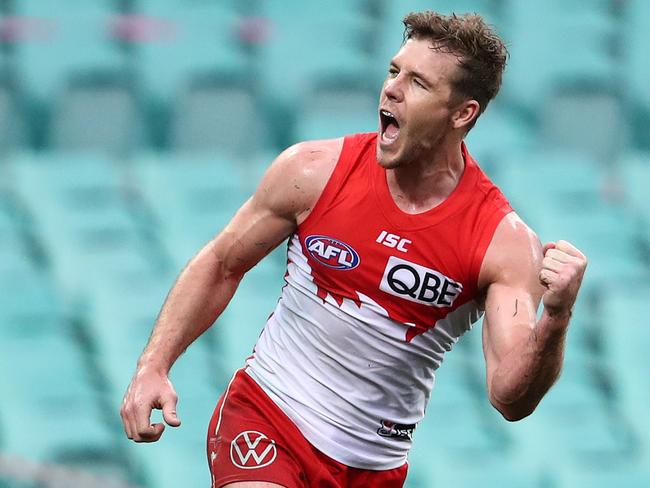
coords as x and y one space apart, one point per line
374 297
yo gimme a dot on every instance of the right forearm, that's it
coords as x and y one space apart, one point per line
199 296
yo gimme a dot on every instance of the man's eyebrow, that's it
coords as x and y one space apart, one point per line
414 73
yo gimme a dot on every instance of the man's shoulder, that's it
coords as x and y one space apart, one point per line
312 153
297 177
514 250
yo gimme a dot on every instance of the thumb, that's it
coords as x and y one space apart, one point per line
547 246
169 413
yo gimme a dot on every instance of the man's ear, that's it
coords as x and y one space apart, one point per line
466 112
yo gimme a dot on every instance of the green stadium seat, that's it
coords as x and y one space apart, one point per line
219 112
498 132
61 40
555 42
605 475
39 381
238 329
491 473
192 197
556 176
288 61
626 354
570 188
167 465
603 131
635 175
16 253
13 124
29 303
335 108
182 38
82 217
635 39
50 407
97 112
453 424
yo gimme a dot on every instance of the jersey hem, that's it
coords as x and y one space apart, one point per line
324 447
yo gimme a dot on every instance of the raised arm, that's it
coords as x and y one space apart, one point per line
283 199
524 355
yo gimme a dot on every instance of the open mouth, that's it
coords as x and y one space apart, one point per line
389 127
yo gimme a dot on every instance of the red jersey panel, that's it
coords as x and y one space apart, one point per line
417 267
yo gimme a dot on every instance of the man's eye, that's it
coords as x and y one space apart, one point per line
419 83
392 72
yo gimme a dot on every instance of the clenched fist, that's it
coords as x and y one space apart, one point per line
562 270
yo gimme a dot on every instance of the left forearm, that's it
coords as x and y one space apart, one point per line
529 369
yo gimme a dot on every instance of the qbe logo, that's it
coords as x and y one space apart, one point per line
252 450
332 253
419 284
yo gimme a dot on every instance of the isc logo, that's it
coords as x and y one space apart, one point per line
332 252
419 284
393 241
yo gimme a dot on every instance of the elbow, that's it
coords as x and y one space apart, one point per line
513 412
515 415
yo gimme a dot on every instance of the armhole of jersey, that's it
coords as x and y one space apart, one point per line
331 187
488 229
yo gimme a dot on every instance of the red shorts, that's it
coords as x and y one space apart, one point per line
251 439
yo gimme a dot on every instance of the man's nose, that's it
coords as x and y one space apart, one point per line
393 89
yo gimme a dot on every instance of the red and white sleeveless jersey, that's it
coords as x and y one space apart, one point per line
374 297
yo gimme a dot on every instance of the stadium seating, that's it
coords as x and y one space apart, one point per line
174 39
538 33
336 107
97 111
56 41
636 68
219 112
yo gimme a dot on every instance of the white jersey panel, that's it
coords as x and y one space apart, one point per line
344 374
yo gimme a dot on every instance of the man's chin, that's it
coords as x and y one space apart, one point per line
387 162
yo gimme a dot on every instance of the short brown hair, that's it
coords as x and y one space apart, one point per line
482 55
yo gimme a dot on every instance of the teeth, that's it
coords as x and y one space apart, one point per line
387 113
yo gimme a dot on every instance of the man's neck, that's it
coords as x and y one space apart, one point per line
421 186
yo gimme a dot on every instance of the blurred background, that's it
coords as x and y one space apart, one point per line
130 131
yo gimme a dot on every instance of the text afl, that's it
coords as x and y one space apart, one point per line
332 253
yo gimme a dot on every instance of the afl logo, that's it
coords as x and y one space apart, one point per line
332 253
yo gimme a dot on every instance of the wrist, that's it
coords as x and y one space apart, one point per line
147 364
558 314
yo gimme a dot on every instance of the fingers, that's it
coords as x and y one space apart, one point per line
145 430
547 247
564 252
169 412
136 420
126 422
142 396
547 277
569 249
